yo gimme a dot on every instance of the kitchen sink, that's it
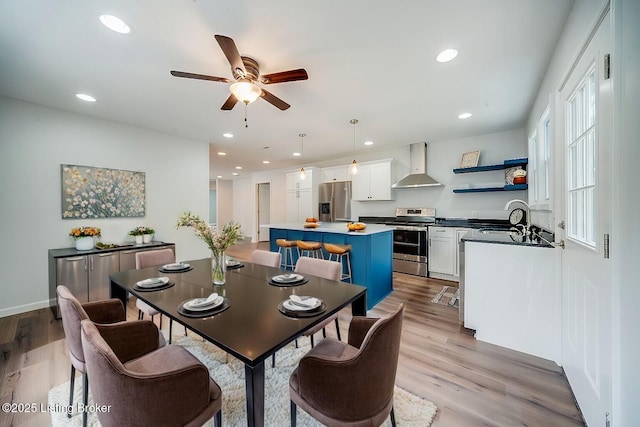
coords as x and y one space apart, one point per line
499 231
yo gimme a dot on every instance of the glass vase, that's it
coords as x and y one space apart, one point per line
218 268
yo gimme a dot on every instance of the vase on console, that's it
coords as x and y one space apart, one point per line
146 238
84 243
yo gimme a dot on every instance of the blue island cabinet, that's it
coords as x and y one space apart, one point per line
371 256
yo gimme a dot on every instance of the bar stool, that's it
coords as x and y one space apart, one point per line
310 249
340 252
286 253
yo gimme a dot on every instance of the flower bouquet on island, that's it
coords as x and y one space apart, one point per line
83 237
218 241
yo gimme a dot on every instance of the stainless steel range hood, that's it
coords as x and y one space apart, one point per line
418 163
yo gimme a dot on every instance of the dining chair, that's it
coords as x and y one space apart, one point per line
149 259
144 385
268 258
332 373
73 312
326 269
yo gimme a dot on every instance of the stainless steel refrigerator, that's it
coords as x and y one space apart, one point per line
334 200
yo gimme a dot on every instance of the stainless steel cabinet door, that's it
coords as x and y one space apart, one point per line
72 273
100 267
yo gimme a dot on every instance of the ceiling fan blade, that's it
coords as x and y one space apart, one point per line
229 103
230 50
199 76
274 100
284 76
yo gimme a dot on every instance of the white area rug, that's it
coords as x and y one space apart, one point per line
410 410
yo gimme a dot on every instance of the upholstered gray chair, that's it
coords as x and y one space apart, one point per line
144 385
268 258
146 259
350 384
108 311
331 270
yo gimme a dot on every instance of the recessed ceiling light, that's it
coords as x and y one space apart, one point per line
446 55
219 176
238 167
368 143
115 24
266 162
296 154
85 97
227 135
465 115
235 174
221 153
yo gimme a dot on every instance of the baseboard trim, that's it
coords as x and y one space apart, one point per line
19 309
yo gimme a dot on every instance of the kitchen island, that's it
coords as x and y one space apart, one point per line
371 251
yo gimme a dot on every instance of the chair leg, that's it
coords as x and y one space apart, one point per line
170 329
160 320
273 360
293 414
185 331
72 381
312 343
296 343
324 333
140 315
218 421
393 418
85 397
338 329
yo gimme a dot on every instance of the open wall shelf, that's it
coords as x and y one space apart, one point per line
505 165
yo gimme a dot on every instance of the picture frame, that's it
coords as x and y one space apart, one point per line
92 192
470 159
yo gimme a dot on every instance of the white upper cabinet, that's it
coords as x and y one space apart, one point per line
294 182
336 173
373 182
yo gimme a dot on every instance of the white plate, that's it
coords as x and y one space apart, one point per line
232 263
153 282
289 305
287 278
216 303
176 266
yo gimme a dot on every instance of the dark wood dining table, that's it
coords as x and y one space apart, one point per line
252 328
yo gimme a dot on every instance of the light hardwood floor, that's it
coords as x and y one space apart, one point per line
472 383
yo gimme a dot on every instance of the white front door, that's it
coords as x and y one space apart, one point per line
584 109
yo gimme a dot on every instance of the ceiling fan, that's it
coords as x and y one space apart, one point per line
246 73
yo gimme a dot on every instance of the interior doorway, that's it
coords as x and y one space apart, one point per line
263 214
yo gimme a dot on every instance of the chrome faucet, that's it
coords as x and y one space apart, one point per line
527 230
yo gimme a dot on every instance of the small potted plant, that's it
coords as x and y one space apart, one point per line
83 237
137 233
147 234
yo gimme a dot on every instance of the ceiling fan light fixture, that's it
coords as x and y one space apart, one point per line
245 91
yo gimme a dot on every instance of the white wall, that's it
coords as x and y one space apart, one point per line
35 140
626 232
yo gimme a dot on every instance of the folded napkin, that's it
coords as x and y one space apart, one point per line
203 302
152 281
309 302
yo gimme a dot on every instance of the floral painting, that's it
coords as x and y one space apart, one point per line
90 192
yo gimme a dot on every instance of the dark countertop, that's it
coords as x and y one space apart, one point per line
446 222
503 238
66 252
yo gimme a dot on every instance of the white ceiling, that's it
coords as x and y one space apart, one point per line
373 60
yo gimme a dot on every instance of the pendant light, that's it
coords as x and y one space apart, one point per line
353 169
303 174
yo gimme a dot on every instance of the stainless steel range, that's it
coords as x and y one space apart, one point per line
410 237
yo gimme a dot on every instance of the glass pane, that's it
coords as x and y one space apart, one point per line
573 160
580 163
571 121
580 233
590 217
591 158
572 214
592 99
